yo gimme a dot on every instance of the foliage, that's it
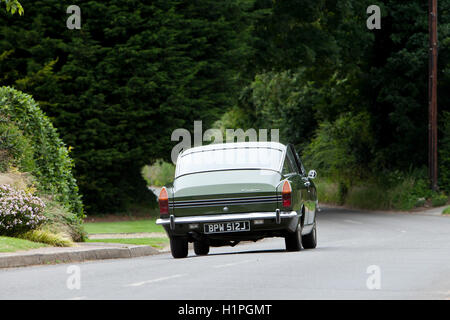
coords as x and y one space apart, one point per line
398 191
446 211
159 174
398 85
59 221
327 191
19 211
13 6
47 237
343 148
62 223
15 148
281 101
303 33
439 200
53 166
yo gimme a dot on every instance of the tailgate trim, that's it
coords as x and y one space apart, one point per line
224 201
229 217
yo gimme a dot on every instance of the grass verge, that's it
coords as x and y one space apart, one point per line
134 226
8 244
153 242
446 211
404 194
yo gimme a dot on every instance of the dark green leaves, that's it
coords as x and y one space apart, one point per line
13 6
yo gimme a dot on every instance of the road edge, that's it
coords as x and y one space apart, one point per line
434 211
25 259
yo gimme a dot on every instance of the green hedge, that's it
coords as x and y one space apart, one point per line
15 148
53 166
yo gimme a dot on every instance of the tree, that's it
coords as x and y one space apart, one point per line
348 68
13 6
118 87
310 57
398 83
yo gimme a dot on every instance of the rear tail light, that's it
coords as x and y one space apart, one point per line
286 194
163 200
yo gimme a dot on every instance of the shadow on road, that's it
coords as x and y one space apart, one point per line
248 252
268 251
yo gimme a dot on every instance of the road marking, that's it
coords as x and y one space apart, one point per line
232 264
353 221
138 284
77 298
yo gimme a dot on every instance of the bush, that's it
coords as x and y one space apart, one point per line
50 238
327 191
439 200
342 149
19 211
388 191
159 174
61 222
53 166
15 148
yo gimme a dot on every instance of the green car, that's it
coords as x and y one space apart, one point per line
226 193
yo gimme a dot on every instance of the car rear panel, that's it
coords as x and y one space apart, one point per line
230 191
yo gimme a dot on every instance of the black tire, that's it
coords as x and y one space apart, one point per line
179 247
201 248
294 241
310 240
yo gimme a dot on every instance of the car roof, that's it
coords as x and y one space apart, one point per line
236 145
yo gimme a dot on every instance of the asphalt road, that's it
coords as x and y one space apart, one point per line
410 253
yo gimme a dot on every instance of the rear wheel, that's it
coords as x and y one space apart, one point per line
201 248
179 247
310 240
294 241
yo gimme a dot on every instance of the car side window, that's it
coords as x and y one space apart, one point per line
289 166
302 168
287 169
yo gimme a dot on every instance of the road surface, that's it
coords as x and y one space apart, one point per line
360 255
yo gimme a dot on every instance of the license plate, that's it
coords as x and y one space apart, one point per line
223 227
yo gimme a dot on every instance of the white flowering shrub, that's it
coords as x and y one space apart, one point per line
19 211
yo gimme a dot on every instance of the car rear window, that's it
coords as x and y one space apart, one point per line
229 158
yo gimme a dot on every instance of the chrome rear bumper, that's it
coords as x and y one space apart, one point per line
229 217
